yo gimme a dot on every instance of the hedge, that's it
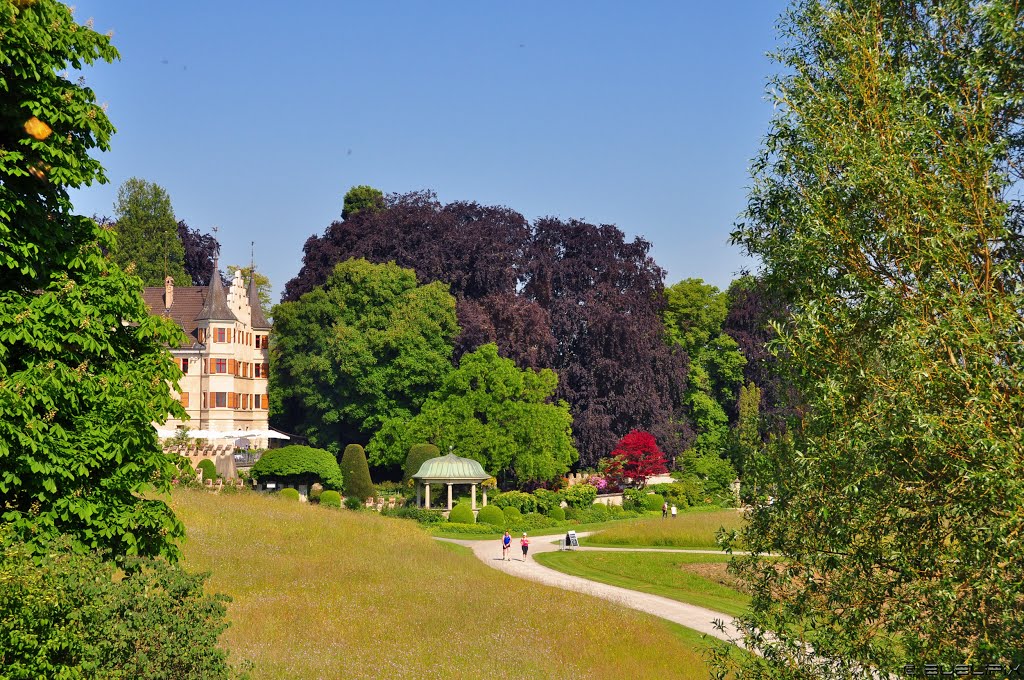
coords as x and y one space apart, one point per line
520 500
289 494
654 501
330 499
580 495
557 514
299 464
512 514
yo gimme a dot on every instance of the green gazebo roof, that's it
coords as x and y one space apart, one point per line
451 468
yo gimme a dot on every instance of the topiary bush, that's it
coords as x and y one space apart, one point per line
491 514
208 469
557 514
356 472
634 499
512 515
330 499
580 495
418 454
462 514
299 465
654 501
289 494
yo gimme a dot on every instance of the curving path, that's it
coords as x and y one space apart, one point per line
691 616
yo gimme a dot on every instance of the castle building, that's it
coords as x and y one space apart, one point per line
225 358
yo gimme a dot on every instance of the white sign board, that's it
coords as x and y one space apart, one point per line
571 540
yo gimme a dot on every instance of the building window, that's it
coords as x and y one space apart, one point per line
220 335
184 366
258 368
183 399
262 341
220 366
201 334
220 399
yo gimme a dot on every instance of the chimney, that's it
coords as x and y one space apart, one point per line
168 292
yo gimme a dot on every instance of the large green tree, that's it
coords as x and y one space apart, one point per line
83 366
362 198
147 233
493 412
369 345
886 209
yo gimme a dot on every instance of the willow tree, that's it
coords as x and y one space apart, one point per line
886 209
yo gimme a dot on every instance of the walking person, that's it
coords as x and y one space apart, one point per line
664 510
525 543
673 511
506 544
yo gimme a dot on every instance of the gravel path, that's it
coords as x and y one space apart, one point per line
691 616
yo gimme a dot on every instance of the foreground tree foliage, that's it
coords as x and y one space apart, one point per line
83 366
493 412
65 614
369 345
886 210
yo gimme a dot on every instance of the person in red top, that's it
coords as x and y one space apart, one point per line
525 543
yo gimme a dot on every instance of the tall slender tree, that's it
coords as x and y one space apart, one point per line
147 233
886 208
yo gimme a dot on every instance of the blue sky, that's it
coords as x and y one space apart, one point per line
641 114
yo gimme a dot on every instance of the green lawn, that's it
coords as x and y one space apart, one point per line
688 530
691 578
333 593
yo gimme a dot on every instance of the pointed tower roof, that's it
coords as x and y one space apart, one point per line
259 322
216 306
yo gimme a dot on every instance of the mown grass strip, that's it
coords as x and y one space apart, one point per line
674 576
689 530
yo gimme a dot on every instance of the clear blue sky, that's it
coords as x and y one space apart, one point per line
257 118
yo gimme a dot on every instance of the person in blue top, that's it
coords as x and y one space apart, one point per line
506 543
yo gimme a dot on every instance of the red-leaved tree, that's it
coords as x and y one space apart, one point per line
641 458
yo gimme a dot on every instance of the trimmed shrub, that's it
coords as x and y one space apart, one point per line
520 500
299 465
208 469
455 528
289 494
491 514
654 501
546 500
356 472
421 515
557 513
580 495
330 499
462 514
353 503
418 454
512 515
634 499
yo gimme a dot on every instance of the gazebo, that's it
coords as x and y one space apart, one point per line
450 470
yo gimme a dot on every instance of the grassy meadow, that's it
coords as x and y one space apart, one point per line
688 530
321 593
692 578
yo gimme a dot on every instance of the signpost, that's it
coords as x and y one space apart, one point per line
571 542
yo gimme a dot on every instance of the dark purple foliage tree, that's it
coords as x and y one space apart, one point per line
752 308
200 250
603 295
519 327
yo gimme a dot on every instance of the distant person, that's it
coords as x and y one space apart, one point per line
525 543
506 545
673 511
664 510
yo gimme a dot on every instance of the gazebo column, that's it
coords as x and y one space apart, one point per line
485 498
449 496
417 494
474 496
426 489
